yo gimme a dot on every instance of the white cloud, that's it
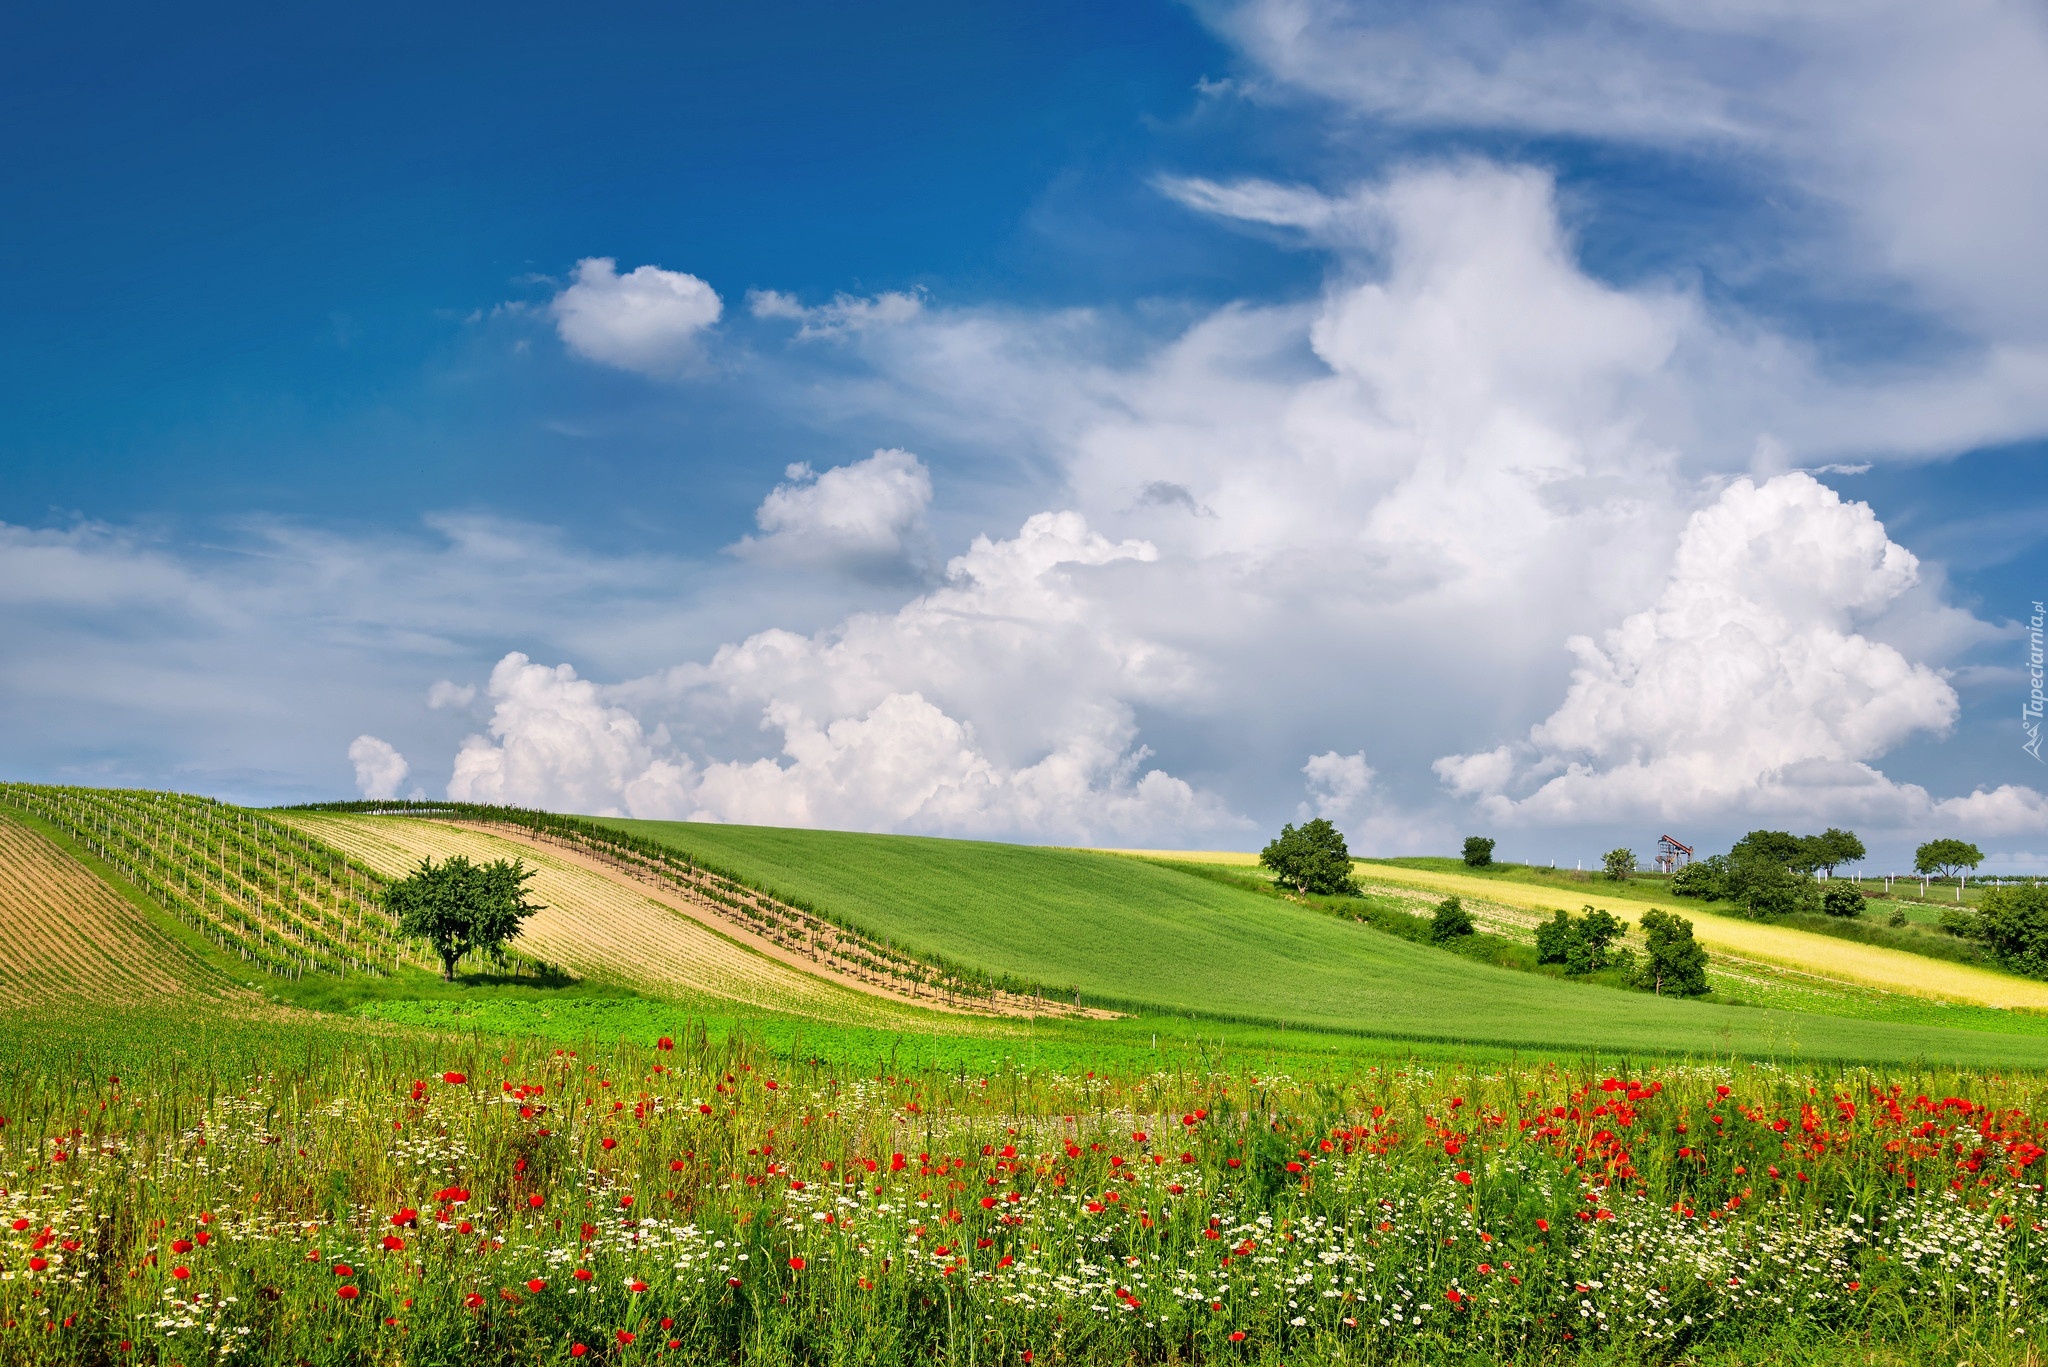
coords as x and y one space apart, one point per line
380 769
1342 790
1927 128
866 518
846 313
648 320
1466 450
871 716
556 742
1337 784
1748 686
449 694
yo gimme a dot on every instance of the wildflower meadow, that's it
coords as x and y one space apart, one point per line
284 1193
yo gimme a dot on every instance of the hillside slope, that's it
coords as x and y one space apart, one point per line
1130 932
66 936
603 927
1892 970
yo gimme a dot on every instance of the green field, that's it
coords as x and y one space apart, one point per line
1153 938
1309 1140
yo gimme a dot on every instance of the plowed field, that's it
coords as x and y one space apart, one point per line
66 934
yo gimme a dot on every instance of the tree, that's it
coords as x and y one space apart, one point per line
1675 962
1311 859
1780 847
1946 858
1478 851
460 907
1765 887
1580 943
1840 898
1706 879
1451 921
1832 848
2013 924
1620 864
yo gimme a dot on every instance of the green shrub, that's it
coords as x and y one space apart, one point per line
1580 943
1451 921
1478 851
1705 879
2013 924
1619 864
1840 898
1960 922
1766 888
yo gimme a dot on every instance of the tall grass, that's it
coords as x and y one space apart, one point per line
289 1193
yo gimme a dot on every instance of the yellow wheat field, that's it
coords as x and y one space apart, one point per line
64 933
604 928
1823 956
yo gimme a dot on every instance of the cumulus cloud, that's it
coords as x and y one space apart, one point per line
1465 427
997 704
865 519
555 741
1747 686
648 320
380 769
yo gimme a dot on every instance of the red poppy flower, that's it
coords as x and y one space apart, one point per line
181 1273
796 1264
473 1300
1237 1336
181 1245
536 1286
624 1337
577 1350
348 1291
454 1079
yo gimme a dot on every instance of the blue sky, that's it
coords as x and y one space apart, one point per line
1313 374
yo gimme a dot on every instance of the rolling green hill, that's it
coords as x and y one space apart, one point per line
1151 937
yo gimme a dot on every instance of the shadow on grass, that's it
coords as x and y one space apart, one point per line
346 995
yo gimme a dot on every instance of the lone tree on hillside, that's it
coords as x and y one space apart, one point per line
1946 858
1675 962
1478 851
1619 864
459 907
1830 849
1310 859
